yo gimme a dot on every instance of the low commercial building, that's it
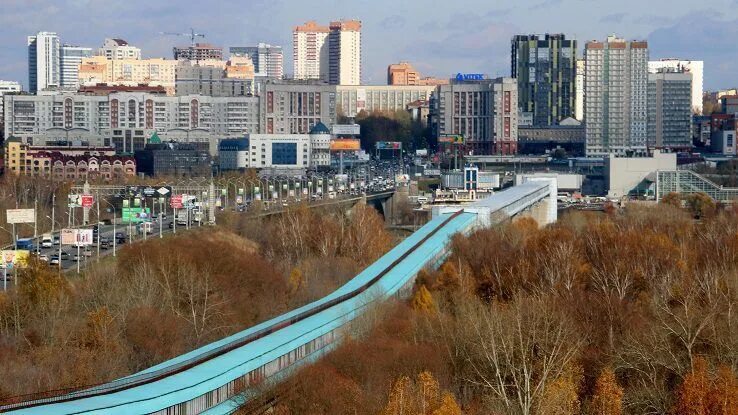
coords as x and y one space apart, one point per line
353 99
173 159
569 135
723 142
467 185
729 104
66 162
233 154
626 176
283 151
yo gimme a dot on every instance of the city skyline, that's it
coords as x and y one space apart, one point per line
433 41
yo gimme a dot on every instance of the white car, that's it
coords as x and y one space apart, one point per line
43 257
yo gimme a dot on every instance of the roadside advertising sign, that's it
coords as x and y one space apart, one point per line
136 215
126 203
15 258
87 200
148 191
451 139
345 144
240 190
346 129
75 237
75 201
388 145
164 190
20 215
223 192
239 200
176 202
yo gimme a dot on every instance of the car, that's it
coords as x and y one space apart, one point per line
57 241
54 260
87 252
104 243
64 255
76 258
171 225
43 257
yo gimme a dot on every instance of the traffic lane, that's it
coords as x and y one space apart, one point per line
106 232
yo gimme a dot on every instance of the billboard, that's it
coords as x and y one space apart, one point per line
345 144
345 129
20 215
17 258
451 139
176 202
388 145
76 237
423 152
136 214
86 200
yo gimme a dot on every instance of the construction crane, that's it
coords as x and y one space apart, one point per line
192 35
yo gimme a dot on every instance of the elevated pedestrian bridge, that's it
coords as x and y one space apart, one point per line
215 379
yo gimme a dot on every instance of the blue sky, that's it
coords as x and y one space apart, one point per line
440 37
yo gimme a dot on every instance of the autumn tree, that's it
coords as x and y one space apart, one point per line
422 300
608 395
723 396
692 394
423 396
561 396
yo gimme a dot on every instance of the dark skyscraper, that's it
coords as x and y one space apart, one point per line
545 67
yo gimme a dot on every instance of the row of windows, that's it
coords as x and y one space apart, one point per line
251 379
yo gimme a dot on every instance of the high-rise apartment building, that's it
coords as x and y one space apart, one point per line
696 68
310 51
330 53
268 60
113 49
198 52
71 58
616 96
545 67
344 55
404 73
43 62
484 112
670 109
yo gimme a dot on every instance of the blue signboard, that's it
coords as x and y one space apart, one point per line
469 77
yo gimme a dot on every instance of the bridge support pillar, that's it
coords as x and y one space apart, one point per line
545 212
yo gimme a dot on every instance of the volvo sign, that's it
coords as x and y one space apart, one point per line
469 77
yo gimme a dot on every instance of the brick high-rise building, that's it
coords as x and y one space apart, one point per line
310 51
331 54
616 96
402 73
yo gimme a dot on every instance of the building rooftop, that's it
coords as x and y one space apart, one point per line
320 128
